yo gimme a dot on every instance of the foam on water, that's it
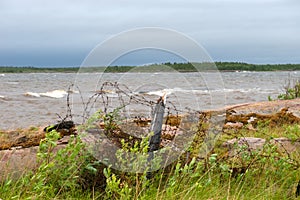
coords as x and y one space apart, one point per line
205 91
36 99
32 94
52 94
55 94
160 92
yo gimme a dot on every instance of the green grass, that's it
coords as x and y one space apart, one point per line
68 174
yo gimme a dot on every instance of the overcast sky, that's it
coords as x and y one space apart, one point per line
63 32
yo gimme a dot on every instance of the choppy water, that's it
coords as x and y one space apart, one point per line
38 98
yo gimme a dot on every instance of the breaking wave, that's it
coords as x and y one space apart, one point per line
203 91
52 94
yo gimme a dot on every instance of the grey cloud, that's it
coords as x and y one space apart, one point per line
30 26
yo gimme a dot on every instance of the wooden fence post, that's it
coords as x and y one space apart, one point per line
155 128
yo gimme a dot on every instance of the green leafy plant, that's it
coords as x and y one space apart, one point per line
250 174
122 184
292 91
58 172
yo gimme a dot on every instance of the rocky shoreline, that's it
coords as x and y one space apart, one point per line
18 148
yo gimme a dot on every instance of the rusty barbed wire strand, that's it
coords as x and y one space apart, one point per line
112 95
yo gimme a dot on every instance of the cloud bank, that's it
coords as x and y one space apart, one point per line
62 33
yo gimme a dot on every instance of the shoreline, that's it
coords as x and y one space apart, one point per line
178 67
253 127
263 108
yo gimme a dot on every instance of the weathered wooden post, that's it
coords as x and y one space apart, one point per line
155 128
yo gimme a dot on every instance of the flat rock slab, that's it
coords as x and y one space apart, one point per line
275 112
266 107
17 161
284 145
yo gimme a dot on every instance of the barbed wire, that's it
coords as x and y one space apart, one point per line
114 95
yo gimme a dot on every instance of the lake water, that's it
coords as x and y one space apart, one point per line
40 98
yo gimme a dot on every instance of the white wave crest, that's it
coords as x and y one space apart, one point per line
32 94
162 92
55 94
52 94
202 91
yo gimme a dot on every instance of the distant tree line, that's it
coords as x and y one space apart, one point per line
181 67
256 67
232 66
35 70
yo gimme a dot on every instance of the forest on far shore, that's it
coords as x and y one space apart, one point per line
180 67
